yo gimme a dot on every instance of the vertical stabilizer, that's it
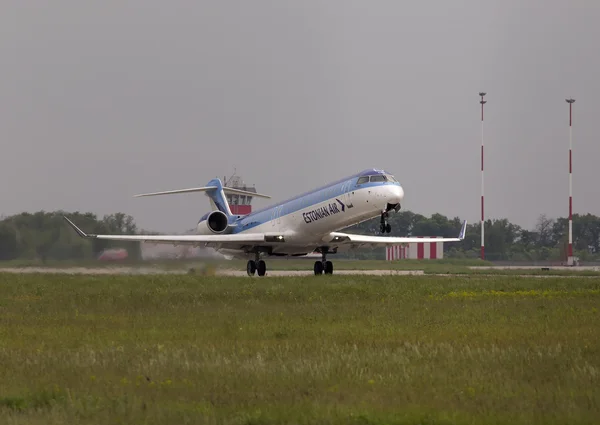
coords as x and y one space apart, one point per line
218 200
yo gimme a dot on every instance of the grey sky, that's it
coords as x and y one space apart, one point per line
102 100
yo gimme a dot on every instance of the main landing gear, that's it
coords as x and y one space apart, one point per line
323 266
256 266
260 267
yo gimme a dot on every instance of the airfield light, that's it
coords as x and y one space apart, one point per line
482 102
570 261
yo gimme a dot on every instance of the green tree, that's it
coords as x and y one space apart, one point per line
8 242
45 235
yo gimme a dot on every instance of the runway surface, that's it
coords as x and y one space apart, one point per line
565 268
151 271
336 272
270 273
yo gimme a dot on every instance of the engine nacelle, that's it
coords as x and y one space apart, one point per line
215 222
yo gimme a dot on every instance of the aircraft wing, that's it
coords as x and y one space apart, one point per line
337 238
219 241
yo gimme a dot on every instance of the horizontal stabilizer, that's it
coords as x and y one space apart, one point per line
204 189
244 192
171 192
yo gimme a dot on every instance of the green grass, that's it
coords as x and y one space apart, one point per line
327 350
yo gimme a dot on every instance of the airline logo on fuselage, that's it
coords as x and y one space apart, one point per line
323 212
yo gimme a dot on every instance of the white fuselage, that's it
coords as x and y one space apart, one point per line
306 220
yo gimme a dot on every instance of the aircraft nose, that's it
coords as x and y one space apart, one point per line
396 194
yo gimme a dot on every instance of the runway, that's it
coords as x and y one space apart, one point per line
107 271
564 268
276 273
224 272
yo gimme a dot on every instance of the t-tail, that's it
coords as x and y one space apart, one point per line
216 192
218 200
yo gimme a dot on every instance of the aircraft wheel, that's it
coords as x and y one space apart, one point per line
318 268
251 267
262 268
388 228
328 267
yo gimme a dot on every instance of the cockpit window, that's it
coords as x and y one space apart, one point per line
391 178
378 178
363 180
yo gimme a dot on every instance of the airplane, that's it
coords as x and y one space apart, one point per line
301 225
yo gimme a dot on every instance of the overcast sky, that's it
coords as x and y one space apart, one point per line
103 100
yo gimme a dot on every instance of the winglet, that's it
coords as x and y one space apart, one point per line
77 229
463 230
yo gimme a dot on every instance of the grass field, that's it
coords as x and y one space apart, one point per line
327 350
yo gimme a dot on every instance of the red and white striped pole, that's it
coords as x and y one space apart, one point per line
570 261
482 215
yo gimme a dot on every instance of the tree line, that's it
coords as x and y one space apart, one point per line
504 241
45 236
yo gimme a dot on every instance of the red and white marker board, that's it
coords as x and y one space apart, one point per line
415 251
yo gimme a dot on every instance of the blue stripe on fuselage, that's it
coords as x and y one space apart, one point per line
309 199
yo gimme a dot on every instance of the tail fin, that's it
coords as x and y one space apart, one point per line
214 190
218 200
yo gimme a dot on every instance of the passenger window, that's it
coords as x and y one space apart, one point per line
378 178
363 180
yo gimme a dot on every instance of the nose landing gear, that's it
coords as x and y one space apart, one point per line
384 226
